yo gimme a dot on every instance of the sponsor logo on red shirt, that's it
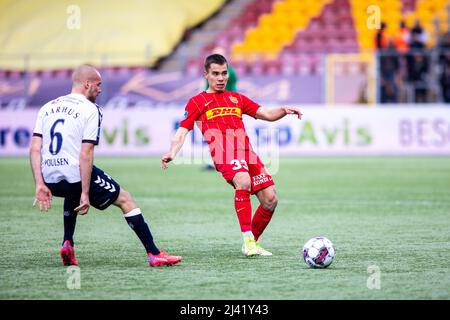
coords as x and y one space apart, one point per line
223 111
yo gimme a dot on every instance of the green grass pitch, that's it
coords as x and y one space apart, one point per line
388 212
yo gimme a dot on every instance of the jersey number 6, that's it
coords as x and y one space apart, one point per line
54 149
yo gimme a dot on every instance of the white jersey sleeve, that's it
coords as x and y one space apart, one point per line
91 132
38 128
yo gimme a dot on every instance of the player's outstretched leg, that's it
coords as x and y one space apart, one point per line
268 202
135 220
243 209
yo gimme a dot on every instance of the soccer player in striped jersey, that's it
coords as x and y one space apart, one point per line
62 156
218 114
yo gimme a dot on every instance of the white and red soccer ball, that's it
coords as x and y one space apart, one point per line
318 252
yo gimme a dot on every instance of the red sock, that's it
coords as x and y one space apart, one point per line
260 221
243 208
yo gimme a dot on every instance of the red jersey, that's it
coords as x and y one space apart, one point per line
219 117
220 111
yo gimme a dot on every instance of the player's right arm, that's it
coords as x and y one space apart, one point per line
43 193
175 146
192 112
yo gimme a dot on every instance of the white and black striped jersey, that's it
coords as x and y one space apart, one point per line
64 124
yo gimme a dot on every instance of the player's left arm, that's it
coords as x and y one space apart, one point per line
43 193
86 166
276 113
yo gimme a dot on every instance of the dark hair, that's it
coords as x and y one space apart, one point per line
214 58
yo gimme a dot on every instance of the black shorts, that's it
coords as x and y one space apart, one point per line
103 191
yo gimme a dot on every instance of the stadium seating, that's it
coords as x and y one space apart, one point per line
285 36
274 30
277 28
394 11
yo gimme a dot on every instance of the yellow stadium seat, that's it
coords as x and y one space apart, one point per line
265 21
278 28
359 6
252 45
279 6
238 48
410 19
395 5
442 15
443 27
280 19
367 42
294 6
283 35
425 10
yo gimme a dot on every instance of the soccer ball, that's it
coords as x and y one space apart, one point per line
318 252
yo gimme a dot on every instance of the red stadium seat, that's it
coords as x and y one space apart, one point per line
343 4
136 70
62 74
194 67
257 68
272 67
46 74
240 67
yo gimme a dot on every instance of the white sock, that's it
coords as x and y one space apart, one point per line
132 213
247 234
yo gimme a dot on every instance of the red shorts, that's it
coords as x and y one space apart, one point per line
246 161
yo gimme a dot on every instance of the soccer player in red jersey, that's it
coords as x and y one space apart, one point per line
218 114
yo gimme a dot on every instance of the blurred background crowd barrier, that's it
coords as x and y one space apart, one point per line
283 51
316 54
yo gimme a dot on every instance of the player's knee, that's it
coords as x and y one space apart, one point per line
270 202
242 182
244 186
125 199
